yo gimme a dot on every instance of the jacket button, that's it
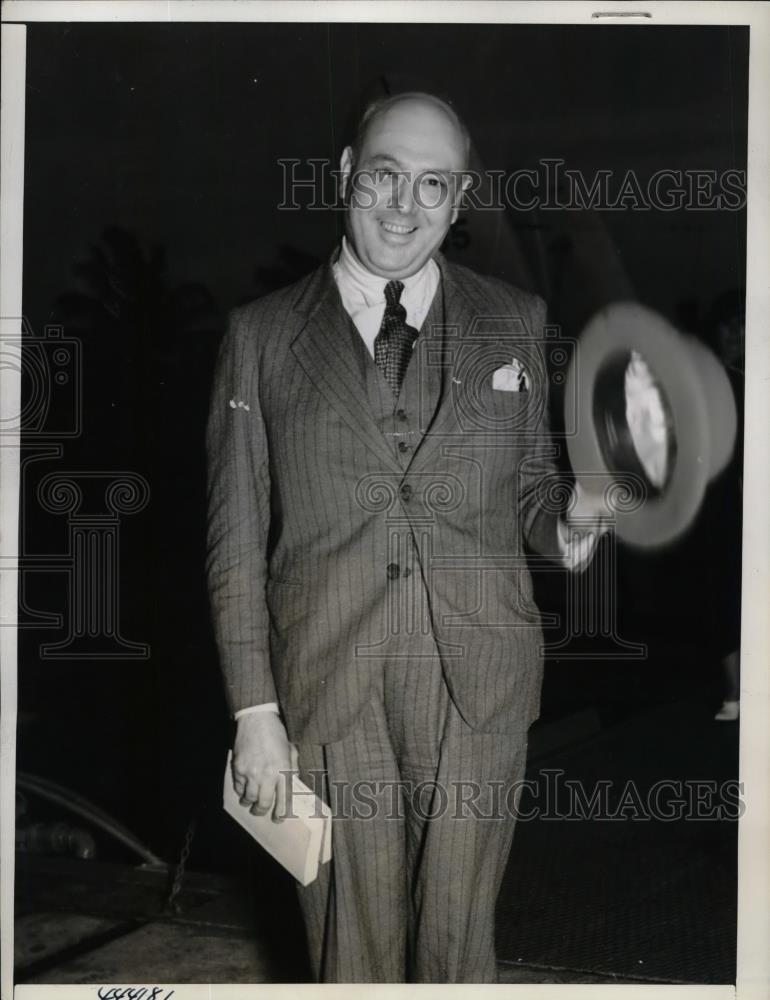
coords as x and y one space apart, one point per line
393 571
403 447
401 414
406 492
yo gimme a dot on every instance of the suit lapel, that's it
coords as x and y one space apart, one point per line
423 384
322 348
460 309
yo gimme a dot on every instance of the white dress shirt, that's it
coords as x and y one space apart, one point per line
363 294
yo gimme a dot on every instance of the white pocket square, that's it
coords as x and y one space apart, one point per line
511 378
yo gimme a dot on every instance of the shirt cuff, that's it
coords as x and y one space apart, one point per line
269 706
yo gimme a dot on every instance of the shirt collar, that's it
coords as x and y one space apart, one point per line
366 285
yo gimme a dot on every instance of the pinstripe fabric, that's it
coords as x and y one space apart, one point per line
410 893
308 511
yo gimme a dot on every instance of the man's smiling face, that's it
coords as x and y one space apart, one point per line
403 192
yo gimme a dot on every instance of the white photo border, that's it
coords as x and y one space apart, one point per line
753 955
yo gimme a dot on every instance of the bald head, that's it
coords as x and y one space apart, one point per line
421 105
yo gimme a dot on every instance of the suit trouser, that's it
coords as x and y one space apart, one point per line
423 811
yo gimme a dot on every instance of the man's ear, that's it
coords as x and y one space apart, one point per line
346 168
465 184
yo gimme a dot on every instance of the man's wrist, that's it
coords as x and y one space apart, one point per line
268 706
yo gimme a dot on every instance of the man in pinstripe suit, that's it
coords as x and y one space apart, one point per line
378 460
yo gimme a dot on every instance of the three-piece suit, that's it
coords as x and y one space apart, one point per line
367 572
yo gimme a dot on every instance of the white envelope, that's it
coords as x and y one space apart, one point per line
301 841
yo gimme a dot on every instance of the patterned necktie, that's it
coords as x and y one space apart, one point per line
393 344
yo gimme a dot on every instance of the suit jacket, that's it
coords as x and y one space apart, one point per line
329 551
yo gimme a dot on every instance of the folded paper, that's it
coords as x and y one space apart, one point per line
301 841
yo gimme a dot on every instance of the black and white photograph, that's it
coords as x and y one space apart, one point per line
384 484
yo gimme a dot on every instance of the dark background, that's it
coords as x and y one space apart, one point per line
151 195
